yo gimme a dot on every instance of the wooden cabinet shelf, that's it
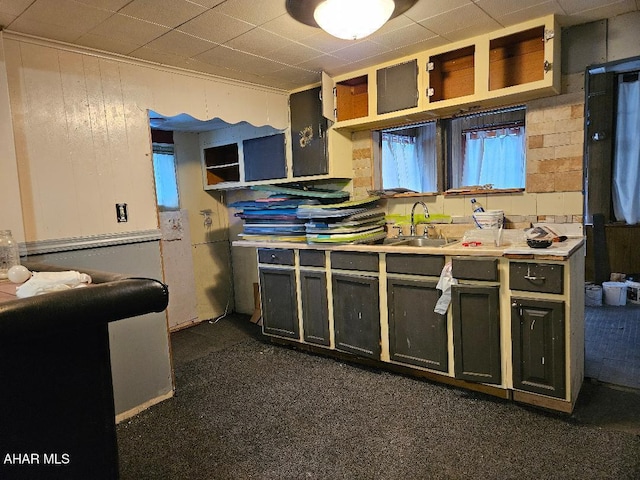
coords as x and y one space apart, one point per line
352 98
516 59
452 74
221 164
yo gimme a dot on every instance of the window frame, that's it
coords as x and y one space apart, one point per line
509 116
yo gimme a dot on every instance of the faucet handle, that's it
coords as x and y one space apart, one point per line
425 232
399 227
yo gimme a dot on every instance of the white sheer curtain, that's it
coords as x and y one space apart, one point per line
494 157
626 165
409 161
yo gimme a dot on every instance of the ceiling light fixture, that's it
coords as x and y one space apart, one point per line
353 19
347 19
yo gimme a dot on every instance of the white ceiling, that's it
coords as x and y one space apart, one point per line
257 41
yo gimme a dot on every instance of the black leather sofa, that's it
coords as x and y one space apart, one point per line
57 417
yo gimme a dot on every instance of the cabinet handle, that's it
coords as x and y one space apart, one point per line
533 278
273 256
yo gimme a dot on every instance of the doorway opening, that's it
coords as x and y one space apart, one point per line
612 168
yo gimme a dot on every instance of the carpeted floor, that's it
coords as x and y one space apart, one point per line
247 409
612 344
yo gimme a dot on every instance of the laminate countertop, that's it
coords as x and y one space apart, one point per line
557 251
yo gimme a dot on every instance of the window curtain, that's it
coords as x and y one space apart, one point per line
626 165
409 161
494 157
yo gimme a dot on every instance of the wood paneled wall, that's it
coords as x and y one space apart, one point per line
82 135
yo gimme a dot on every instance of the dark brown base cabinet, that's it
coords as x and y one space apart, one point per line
476 333
315 310
537 333
417 335
356 314
279 304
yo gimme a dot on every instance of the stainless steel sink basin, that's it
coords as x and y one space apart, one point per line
419 242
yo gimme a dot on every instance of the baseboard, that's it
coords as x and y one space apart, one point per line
134 411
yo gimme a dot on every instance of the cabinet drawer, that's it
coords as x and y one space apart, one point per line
415 264
354 261
275 256
465 268
311 258
536 277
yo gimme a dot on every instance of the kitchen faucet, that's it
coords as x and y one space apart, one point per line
413 211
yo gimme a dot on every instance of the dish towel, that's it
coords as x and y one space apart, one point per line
444 285
44 282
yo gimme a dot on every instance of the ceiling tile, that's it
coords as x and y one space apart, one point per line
216 27
237 60
328 63
453 24
257 41
286 26
169 13
47 30
428 44
431 8
134 30
66 14
402 37
108 44
256 12
510 17
323 42
179 43
361 50
14 7
207 3
293 53
111 5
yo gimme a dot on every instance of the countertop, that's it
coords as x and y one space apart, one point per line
557 251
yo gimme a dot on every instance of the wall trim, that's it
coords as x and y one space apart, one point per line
93 241
46 42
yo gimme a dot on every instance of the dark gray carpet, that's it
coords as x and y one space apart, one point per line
246 409
612 344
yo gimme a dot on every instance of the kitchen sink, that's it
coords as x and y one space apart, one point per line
419 242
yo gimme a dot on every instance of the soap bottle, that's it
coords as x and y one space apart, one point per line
9 254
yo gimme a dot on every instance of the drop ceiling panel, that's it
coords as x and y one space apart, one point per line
261 43
169 13
216 27
135 31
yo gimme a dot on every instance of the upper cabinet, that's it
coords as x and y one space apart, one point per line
515 64
309 133
241 155
397 87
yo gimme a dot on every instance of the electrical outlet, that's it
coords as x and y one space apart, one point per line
121 212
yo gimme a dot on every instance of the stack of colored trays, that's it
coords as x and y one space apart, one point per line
350 222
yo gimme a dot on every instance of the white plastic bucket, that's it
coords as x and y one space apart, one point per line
593 295
633 292
493 219
615 293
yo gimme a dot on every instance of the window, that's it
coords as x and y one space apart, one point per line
408 158
488 149
164 171
484 149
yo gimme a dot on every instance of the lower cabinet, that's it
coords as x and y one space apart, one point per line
476 333
417 335
538 341
315 310
356 314
279 305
